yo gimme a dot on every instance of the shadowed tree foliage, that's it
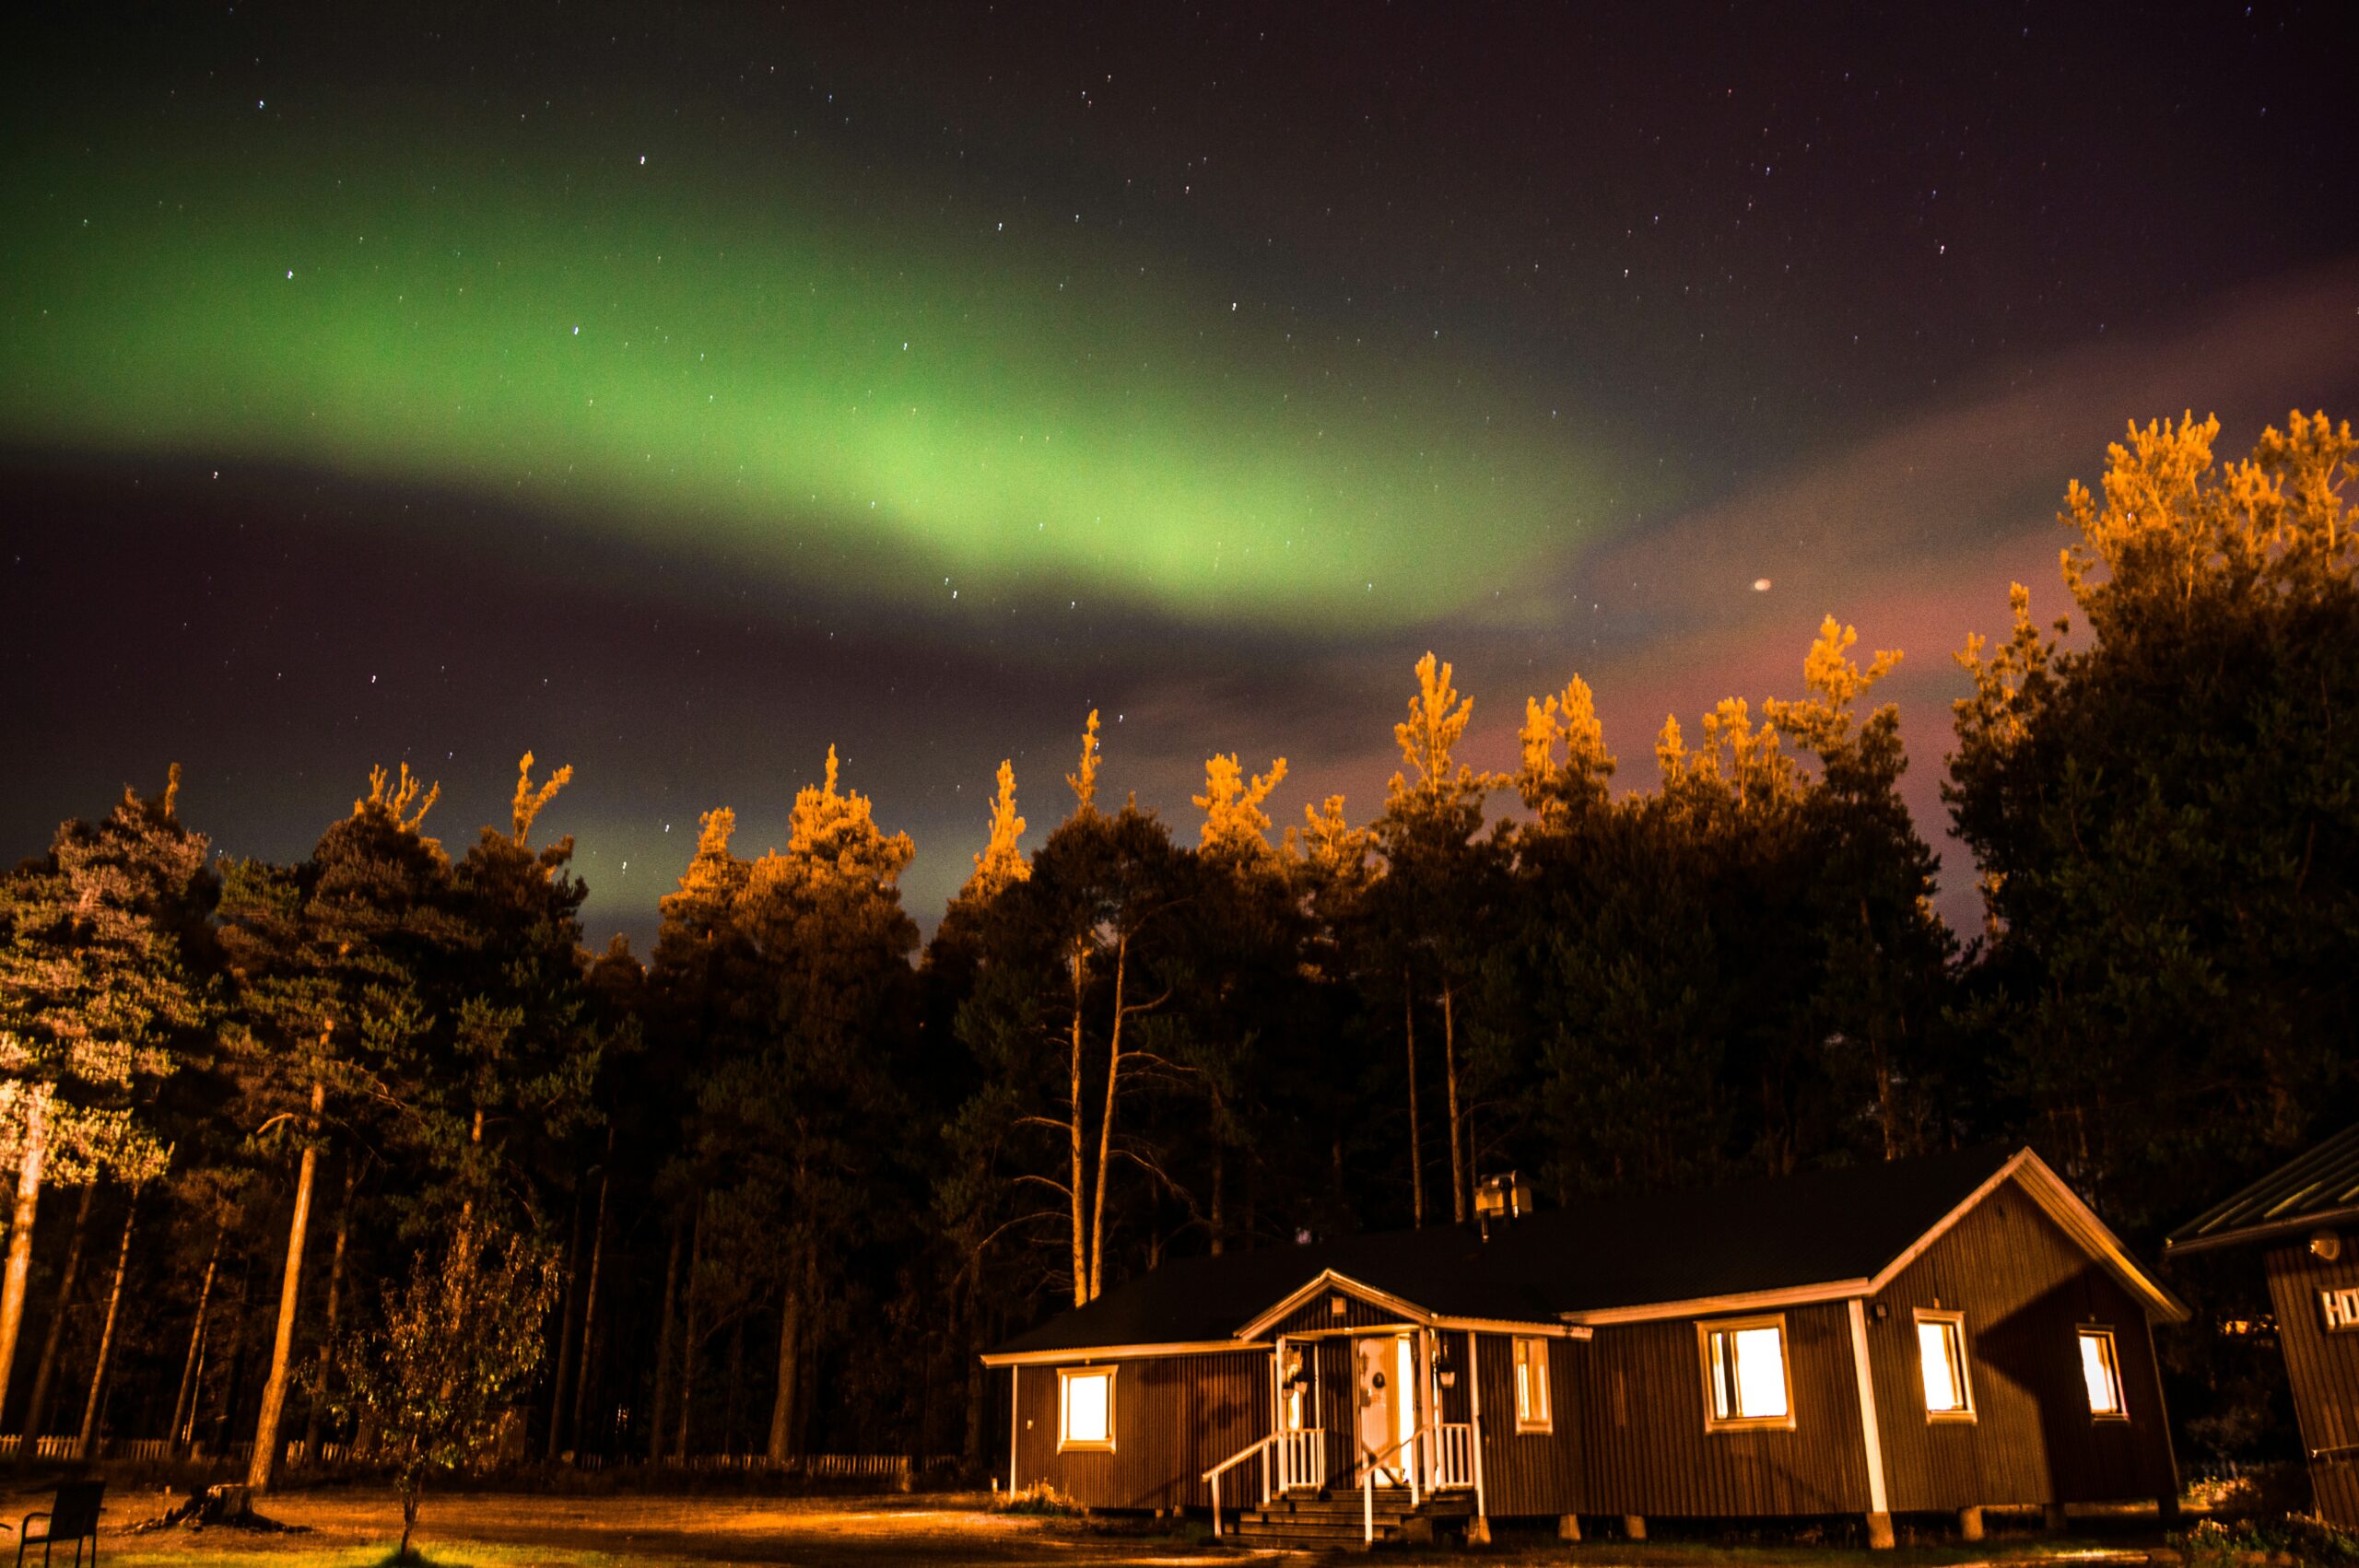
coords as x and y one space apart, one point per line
2163 815
2165 819
1742 967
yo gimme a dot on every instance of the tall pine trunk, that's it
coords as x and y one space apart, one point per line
569 1306
314 1427
1072 1102
290 1293
806 1363
1220 1174
184 1402
1416 1144
1457 1157
663 1345
688 1332
20 1232
729 1383
45 1371
790 1349
590 1292
85 1447
1106 1125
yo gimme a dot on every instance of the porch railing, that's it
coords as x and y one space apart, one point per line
1449 1446
1453 1456
1260 1445
1302 1458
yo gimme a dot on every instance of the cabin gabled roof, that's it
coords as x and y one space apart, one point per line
2317 1190
1822 1236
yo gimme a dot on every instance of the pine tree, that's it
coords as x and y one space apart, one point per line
1437 884
99 986
338 965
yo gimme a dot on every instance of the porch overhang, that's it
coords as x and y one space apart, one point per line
1408 1312
1084 1354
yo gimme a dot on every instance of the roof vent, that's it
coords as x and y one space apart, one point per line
1501 1198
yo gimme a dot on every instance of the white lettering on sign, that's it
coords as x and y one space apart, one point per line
2342 1309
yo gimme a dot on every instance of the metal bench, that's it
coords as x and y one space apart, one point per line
73 1517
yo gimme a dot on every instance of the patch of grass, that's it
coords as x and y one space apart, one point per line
2302 1538
1037 1499
226 1547
1788 1548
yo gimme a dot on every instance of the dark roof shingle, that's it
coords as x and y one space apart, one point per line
2314 1189
1820 1228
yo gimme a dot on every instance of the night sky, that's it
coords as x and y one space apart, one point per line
674 391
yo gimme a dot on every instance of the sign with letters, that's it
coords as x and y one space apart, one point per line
2342 1309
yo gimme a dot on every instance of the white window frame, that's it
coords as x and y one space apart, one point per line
1952 1326
2103 1334
1530 1357
1707 1330
1066 1442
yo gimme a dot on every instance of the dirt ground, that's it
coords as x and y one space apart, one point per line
349 1528
356 1528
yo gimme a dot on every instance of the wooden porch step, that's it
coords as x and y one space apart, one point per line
1313 1532
1337 1518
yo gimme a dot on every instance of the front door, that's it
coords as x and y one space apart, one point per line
1382 1383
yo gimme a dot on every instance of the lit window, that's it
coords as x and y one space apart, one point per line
1531 1386
1086 1408
1941 1355
1744 1373
2101 1372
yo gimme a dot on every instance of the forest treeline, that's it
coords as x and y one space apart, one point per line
772 1185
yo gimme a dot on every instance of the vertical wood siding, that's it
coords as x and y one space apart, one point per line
1174 1417
1317 1316
1641 1412
2025 1287
2324 1369
1531 1472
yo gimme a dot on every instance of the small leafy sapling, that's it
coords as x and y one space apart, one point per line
432 1382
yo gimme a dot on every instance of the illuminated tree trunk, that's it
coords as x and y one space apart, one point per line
1080 1235
20 1230
184 1402
85 1447
1106 1125
314 1428
589 1294
290 1292
1450 1066
45 1372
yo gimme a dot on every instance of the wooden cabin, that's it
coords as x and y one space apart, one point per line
2304 1218
1931 1336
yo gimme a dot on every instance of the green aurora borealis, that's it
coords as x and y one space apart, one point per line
767 370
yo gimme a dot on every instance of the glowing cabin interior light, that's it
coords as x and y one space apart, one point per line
1088 1414
2101 1373
1760 1372
1940 1356
1531 1386
1745 1367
